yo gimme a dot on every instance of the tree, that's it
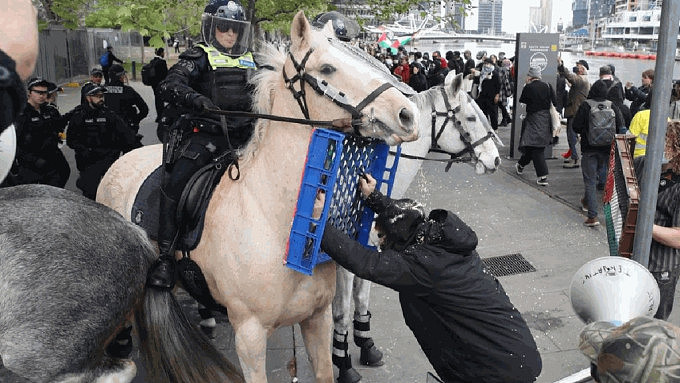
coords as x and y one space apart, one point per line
160 19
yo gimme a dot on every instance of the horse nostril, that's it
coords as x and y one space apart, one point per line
497 162
406 118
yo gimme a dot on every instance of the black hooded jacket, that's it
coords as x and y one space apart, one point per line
458 312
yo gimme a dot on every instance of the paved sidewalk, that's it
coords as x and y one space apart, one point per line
511 215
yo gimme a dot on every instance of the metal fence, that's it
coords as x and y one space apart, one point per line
65 55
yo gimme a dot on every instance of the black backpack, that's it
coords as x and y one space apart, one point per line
149 73
601 123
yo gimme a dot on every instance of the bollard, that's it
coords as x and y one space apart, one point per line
134 70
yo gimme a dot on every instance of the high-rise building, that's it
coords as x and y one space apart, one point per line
490 16
585 11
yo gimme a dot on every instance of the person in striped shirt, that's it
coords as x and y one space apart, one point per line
664 254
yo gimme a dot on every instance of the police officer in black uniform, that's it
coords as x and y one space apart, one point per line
213 74
124 100
98 136
96 78
38 158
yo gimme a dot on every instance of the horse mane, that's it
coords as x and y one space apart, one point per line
424 100
270 59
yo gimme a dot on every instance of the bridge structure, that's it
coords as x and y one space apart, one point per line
472 37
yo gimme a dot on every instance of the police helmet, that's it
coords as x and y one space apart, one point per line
345 29
221 17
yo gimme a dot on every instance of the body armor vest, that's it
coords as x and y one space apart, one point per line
38 132
119 102
226 84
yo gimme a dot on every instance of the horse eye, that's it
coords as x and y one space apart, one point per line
327 69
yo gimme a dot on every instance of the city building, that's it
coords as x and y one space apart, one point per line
585 11
490 17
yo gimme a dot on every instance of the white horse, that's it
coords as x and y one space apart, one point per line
248 221
459 127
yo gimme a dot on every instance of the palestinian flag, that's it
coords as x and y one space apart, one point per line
383 41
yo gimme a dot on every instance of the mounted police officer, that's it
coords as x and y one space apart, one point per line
38 157
213 74
98 136
124 100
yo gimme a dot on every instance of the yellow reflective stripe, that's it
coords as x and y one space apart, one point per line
219 60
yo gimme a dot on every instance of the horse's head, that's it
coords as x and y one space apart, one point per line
466 128
331 81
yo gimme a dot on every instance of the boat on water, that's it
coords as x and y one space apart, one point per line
623 55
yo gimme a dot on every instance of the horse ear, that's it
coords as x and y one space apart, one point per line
300 32
328 29
455 81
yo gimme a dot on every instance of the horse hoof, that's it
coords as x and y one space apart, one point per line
349 375
371 356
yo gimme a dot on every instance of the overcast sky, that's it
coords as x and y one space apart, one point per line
516 14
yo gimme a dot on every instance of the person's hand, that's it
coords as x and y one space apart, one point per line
559 61
628 84
367 185
319 203
201 103
19 31
496 98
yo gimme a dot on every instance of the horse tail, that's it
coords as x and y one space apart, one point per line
173 350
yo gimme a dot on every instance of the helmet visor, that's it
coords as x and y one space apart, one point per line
230 36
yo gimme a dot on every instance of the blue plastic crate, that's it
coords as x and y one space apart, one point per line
335 162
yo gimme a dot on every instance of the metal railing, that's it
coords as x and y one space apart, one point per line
65 55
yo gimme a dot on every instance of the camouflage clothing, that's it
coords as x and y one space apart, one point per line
642 350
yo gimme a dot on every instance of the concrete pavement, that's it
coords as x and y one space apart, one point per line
511 215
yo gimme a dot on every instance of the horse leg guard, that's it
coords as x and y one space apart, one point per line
121 346
342 360
370 355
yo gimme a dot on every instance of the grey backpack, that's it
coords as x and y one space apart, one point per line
601 123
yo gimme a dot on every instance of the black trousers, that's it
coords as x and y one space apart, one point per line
490 109
537 155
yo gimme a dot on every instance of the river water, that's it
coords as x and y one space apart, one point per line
626 69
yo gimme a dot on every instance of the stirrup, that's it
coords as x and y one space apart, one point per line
162 273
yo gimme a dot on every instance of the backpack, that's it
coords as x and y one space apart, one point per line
104 59
601 123
149 73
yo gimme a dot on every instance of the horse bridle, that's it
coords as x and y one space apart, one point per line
450 115
323 88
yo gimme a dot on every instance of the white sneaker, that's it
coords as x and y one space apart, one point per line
543 181
519 169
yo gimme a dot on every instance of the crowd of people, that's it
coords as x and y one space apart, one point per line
424 258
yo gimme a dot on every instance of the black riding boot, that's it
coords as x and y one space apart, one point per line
162 273
370 355
342 360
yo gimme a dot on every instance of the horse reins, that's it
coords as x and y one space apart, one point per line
450 116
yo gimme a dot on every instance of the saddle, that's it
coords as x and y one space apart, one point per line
191 210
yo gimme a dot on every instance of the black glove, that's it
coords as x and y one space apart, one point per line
201 103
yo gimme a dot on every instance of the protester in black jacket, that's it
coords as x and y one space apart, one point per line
418 81
638 95
458 312
537 130
595 159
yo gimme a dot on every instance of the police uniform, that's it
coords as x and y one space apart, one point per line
98 136
38 158
125 101
209 75
203 71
